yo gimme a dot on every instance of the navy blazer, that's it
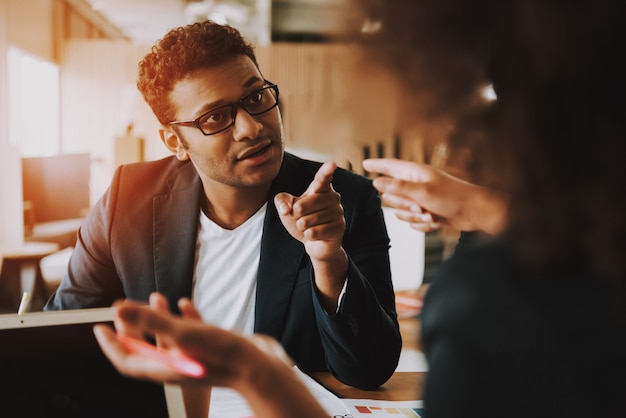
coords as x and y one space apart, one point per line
141 237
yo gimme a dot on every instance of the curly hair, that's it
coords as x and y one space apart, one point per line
555 138
181 51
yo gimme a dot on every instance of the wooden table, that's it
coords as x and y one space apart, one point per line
402 386
20 272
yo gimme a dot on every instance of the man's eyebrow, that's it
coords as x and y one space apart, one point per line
221 102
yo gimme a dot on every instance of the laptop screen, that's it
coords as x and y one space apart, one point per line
52 366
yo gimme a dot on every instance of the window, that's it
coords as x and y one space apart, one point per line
33 94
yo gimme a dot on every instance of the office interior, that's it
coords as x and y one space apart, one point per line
70 114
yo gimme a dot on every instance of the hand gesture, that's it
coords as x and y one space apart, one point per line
226 355
426 197
316 217
257 367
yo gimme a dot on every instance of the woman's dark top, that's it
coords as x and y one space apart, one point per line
504 341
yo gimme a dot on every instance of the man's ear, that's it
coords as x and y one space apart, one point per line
173 143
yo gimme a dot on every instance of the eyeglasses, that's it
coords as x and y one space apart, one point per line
223 117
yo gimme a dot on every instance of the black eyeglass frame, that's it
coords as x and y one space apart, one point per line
233 114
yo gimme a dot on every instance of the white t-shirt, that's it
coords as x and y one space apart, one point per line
227 262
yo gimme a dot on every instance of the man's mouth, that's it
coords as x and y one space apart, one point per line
255 151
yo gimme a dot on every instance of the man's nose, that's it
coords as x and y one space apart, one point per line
246 125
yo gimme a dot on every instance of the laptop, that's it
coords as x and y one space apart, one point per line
52 366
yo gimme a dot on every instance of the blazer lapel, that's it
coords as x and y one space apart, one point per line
281 255
175 229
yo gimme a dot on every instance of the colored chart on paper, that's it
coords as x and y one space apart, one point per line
392 409
389 412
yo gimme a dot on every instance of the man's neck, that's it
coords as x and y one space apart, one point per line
232 207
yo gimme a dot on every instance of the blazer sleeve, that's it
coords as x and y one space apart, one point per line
91 279
362 340
137 239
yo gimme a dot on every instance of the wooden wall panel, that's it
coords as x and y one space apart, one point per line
29 25
333 103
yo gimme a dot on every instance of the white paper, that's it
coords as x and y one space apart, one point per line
228 403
